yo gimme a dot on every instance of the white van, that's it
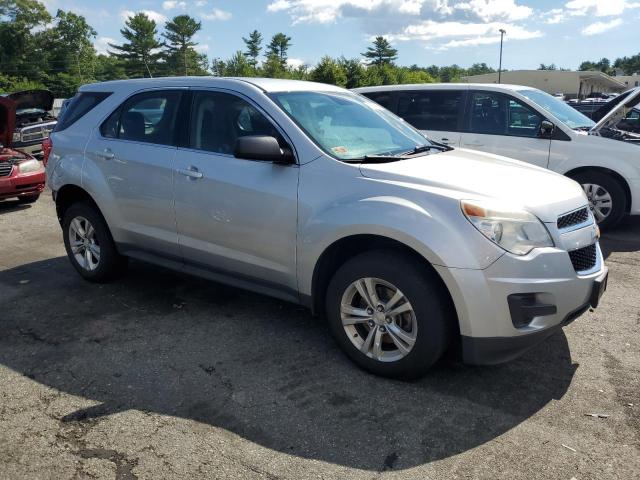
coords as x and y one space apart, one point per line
529 125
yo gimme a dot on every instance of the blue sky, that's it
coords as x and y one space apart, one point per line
425 32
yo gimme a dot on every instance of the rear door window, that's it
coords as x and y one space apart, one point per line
78 107
386 99
431 109
148 117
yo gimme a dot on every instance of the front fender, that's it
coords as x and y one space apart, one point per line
440 234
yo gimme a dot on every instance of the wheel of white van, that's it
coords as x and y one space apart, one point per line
89 244
389 314
607 198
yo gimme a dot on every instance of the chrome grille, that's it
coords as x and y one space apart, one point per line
37 132
5 169
573 218
584 258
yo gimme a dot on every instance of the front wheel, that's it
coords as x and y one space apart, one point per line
607 198
388 314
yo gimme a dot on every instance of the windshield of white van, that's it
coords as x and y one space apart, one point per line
563 112
349 126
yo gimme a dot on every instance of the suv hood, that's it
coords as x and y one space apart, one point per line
41 99
470 174
7 121
615 110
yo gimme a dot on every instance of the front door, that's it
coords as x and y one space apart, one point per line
134 150
236 217
501 124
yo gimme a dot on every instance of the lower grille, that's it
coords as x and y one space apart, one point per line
583 259
5 169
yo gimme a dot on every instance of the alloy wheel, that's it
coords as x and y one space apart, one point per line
84 243
600 201
378 319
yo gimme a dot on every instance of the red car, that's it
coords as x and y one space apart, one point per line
21 175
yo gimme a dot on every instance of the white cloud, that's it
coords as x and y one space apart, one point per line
172 4
599 8
488 10
554 16
601 27
217 14
295 62
461 34
152 14
201 48
201 3
102 44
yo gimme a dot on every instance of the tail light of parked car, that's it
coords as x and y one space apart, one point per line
47 145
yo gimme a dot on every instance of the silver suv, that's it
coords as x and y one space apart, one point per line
317 195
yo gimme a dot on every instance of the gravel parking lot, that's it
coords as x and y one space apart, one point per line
160 375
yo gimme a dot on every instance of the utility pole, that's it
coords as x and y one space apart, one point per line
502 32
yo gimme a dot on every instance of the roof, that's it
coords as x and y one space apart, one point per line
440 86
582 74
264 84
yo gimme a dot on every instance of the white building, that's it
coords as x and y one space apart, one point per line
580 84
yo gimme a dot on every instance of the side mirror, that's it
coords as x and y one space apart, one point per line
546 129
262 147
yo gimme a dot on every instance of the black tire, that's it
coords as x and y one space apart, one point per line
614 188
111 263
29 199
422 289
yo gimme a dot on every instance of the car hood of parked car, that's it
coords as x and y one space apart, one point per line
468 174
615 110
32 99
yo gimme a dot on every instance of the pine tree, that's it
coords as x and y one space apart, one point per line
140 53
179 34
382 53
254 45
279 47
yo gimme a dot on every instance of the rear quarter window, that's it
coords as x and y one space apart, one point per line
79 106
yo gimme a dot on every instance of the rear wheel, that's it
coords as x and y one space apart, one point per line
607 198
28 199
388 314
89 245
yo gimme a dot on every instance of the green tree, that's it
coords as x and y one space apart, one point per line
381 53
602 65
278 48
479 69
354 72
140 52
329 71
628 65
254 46
239 66
179 33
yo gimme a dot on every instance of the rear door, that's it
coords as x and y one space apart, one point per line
501 124
235 217
134 150
437 113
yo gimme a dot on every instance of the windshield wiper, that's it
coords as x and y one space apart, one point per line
375 159
425 148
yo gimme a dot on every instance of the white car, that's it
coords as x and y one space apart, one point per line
529 125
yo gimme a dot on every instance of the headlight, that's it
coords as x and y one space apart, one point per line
515 230
16 137
29 166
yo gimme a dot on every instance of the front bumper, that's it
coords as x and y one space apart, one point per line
21 184
490 334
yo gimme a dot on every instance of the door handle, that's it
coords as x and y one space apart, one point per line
446 141
191 172
106 154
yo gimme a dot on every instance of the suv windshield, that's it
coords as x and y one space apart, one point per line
349 126
563 112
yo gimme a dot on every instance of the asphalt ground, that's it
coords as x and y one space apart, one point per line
160 375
